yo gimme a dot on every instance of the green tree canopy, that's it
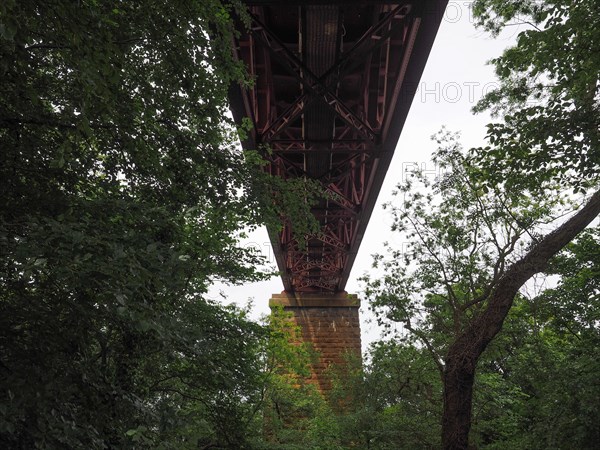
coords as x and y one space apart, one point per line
548 96
123 195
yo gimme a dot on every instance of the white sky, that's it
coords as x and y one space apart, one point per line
454 79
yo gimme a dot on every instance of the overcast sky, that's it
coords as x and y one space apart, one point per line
454 79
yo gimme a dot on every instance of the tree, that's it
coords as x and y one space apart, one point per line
548 97
123 195
536 384
472 249
547 141
565 395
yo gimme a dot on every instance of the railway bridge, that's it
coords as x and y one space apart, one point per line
334 81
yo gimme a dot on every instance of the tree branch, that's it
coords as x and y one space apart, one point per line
485 327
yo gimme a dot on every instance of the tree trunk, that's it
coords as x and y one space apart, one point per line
458 393
463 354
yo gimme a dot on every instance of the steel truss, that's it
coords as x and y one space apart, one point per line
328 103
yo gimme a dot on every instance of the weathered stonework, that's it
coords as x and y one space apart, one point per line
330 323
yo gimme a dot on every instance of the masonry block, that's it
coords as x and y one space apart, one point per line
330 323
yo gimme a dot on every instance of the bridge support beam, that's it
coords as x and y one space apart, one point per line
330 322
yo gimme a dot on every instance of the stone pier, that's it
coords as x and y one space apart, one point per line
330 323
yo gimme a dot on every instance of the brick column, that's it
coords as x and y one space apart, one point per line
329 322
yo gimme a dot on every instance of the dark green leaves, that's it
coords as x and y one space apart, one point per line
122 196
548 96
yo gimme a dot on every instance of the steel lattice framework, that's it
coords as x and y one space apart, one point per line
333 86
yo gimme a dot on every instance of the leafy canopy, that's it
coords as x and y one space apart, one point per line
123 195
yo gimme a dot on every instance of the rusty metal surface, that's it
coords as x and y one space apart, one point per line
334 82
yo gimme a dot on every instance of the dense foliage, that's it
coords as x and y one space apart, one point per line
548 96
122 197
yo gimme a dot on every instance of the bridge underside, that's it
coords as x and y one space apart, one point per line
333 85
